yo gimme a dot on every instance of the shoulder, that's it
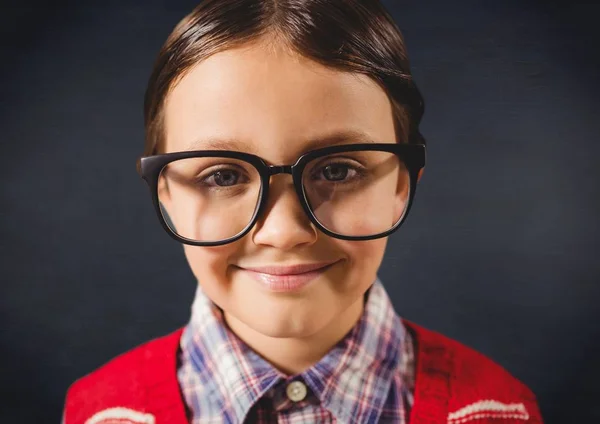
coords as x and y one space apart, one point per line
121 385
476 385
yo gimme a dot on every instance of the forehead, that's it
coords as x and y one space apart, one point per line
272 102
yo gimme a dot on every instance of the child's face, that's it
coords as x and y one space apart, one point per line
273 103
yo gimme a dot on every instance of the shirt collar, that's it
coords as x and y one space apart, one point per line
360 367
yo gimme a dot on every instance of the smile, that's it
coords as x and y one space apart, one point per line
290 278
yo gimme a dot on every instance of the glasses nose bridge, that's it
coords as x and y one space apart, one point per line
280 169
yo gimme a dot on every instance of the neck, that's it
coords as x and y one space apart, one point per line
294 355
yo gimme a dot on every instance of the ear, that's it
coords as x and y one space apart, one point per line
420 174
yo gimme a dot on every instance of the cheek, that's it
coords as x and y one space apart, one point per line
210 267
194 218
364 257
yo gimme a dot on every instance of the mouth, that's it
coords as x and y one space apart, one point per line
287 278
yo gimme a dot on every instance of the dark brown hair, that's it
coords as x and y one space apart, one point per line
349 35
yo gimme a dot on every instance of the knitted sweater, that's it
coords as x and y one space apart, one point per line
454 385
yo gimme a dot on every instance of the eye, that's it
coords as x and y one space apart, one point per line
336 172
224 178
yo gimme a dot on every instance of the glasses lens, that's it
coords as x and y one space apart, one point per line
208 199
362 193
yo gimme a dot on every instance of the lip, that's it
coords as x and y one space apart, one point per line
287 278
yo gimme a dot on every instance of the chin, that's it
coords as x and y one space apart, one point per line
286 327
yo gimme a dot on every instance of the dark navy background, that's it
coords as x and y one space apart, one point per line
501 250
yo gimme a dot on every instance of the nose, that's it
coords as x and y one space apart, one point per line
283 223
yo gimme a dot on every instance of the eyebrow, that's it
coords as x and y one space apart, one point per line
217 143
330 139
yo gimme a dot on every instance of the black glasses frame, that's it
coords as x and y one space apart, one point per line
413 156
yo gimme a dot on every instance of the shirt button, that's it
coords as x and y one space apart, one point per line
296 391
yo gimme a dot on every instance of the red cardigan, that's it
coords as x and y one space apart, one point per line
454 384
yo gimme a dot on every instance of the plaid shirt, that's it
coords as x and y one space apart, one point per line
367 377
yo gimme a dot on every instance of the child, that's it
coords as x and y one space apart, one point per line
290 323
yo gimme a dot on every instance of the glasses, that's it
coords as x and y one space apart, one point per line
350 192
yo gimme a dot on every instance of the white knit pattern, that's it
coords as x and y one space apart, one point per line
120 416
488 409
